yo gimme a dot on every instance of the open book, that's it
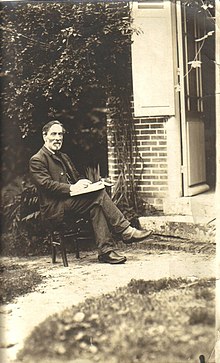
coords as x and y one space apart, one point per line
91 188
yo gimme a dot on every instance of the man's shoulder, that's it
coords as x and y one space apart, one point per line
44 155
39 155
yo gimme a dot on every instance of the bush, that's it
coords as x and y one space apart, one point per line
22 231
22 244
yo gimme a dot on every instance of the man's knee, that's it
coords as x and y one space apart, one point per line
100 197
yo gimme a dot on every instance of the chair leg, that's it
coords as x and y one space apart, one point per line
64 258
53 247
63 251
54 253
77 247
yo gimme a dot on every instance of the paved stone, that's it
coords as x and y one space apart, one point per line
201 230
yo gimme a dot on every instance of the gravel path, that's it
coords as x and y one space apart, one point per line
64 287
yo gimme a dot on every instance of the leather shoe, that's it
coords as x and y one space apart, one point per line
138 236
111 257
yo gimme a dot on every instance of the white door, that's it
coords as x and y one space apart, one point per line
190 32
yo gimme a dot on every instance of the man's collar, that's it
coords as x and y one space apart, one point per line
54 155
50 151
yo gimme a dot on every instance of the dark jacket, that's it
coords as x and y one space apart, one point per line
52 175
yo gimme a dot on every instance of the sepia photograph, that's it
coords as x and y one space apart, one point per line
110 181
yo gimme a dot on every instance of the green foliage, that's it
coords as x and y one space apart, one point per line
24 244
200 4
67 61
20 207
21 224
53 51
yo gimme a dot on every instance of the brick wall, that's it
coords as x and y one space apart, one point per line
150 159
152 146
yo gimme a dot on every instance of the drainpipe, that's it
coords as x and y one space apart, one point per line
217 193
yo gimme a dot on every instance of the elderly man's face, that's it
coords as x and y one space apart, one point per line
54 138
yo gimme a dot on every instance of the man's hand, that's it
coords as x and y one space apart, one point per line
80 185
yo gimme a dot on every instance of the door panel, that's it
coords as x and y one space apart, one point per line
196 152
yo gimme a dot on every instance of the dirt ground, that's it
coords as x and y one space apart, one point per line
63 287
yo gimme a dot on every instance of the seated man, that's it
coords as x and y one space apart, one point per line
59 183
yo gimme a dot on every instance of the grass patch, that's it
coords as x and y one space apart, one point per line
166 321
16 280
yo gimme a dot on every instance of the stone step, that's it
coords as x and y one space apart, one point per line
202 207
180 226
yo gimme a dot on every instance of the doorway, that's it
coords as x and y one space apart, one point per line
196 49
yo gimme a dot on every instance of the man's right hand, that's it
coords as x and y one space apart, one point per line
80 185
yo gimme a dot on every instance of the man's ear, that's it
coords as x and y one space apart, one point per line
44 136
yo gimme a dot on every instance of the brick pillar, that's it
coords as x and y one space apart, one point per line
150 159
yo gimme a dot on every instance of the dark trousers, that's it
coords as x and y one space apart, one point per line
104 216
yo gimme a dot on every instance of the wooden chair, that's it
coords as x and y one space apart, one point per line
76 228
